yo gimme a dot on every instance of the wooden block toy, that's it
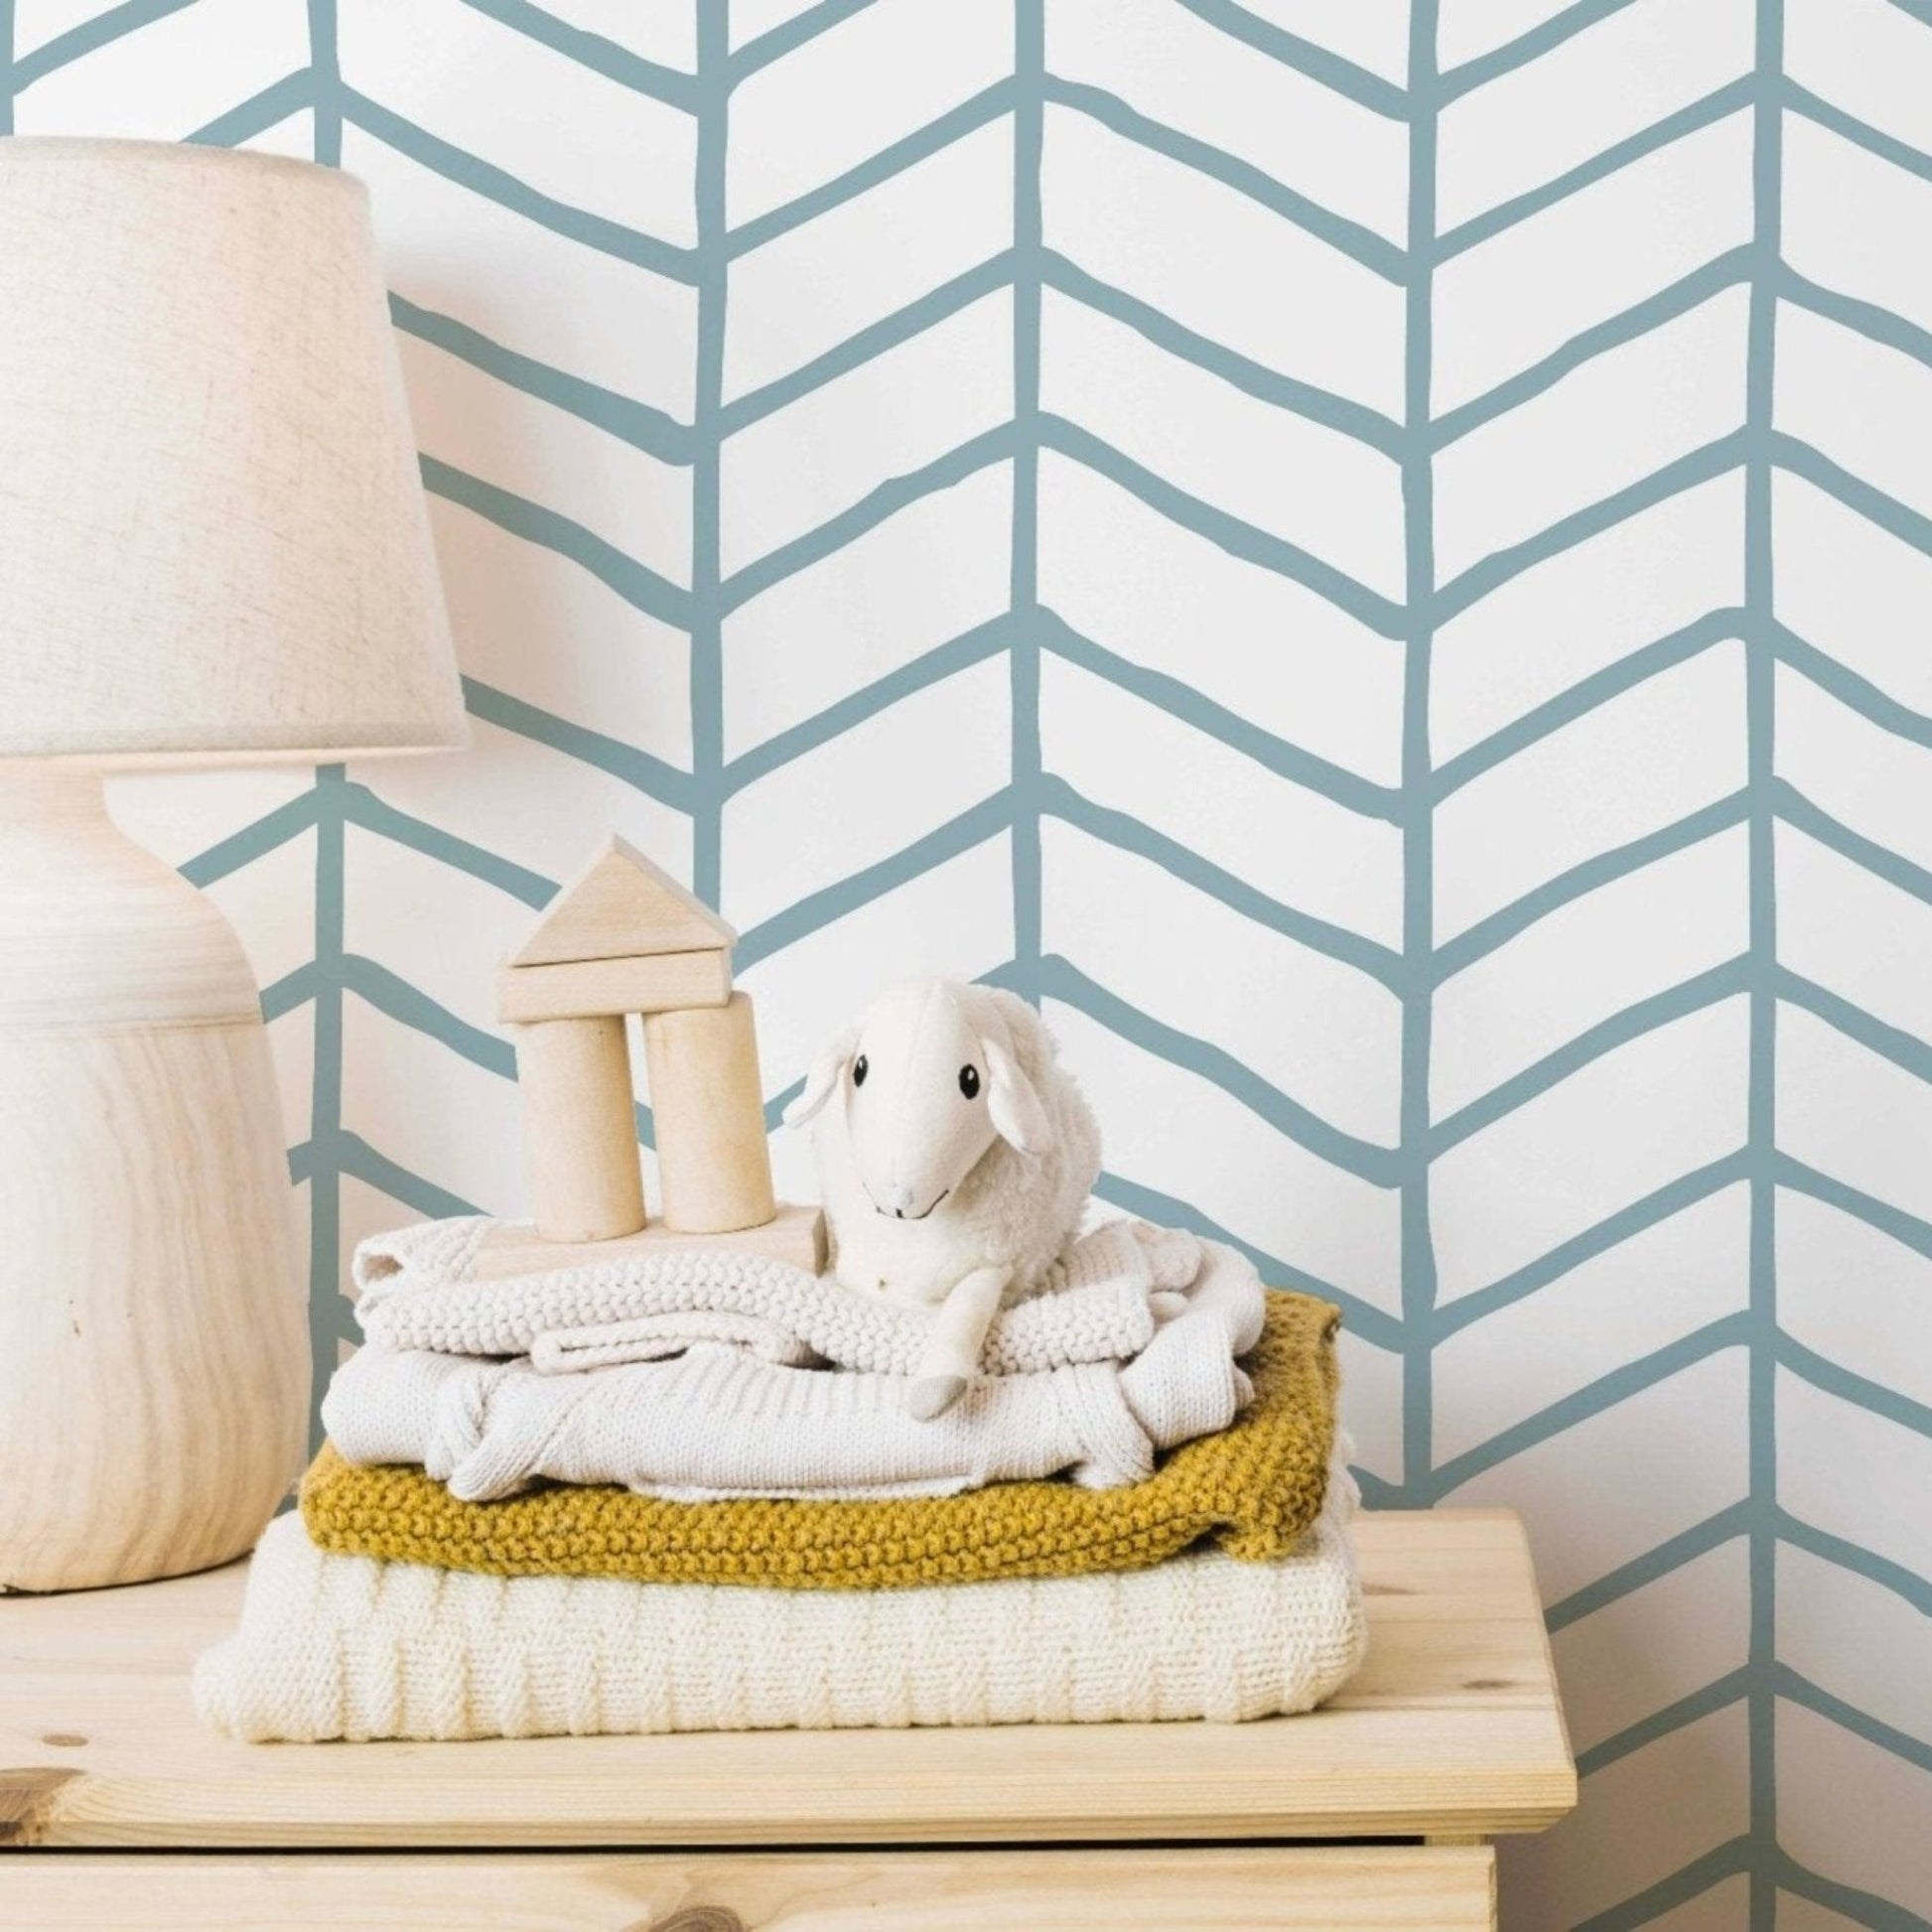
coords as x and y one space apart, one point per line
581 988
712 1162
579 1131
794 1234
623 937
619 907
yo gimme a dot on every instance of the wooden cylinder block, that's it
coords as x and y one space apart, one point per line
580 1131
702 1064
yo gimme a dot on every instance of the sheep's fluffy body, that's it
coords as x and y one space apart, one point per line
1012 1211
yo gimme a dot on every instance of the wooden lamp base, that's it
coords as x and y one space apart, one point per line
154 1352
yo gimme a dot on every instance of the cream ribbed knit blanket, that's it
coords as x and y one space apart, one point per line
720 1421
349 1647
417 1289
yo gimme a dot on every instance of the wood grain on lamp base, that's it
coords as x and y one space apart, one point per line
794 1234
1453 1725
154 1339
1309 1889
154 1347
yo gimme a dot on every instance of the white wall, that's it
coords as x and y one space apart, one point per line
1375 558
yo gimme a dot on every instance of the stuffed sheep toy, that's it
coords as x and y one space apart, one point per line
955 1156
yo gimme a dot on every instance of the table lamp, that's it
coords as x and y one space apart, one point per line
213 550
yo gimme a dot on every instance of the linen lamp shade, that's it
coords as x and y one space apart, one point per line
213 543
213 549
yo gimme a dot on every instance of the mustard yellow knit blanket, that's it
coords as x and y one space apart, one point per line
1254 1488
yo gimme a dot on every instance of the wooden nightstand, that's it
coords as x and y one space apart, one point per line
1451 1733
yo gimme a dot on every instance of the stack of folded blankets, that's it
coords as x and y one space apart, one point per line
681 1491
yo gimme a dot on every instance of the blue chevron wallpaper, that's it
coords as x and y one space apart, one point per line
1375 556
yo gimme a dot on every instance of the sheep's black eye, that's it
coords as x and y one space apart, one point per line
859 1072
969 1081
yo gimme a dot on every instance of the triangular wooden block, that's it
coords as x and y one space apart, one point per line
621 906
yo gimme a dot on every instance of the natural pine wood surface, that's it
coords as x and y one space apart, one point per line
1308 1889
1451 1726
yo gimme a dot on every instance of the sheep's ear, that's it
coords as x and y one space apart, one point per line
821 1083
1017 1117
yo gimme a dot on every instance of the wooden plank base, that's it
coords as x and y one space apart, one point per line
1453 1725
794 1234
1316 1890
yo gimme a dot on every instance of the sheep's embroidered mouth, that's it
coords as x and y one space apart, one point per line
899 1213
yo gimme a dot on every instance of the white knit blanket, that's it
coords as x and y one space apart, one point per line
349 1647
718 1420
417 1288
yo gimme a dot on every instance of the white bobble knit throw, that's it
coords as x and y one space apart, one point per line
349 1647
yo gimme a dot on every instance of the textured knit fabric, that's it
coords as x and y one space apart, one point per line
417 1289
346 1647
717 1421
1256 1486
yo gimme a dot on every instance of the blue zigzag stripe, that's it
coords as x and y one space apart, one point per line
1029 635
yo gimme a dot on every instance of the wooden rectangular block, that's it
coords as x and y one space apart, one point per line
1319 1888
794 1234
582 989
